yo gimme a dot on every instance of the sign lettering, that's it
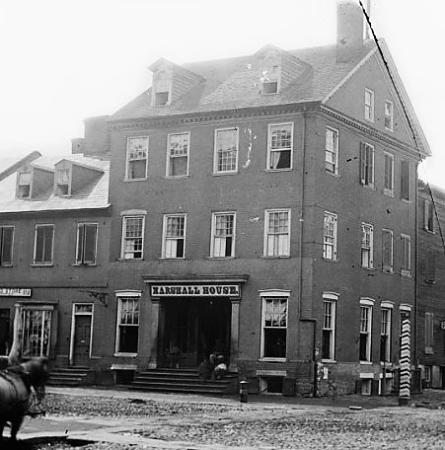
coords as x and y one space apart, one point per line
195 290
15 292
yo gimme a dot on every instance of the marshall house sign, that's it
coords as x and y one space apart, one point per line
195 290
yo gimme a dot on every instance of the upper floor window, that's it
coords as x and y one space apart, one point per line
277 232
389 115
331 151
428 215
226 150
86 248
23 184
161 98
127 324
270 78
178 154
369 105
280 144
406 254
328 332
274 329
367 249
6 243
173 242
63 176
387 250
385 334
367 164
161 88
223 235
405 180
137 158
132 237
389 174
330 236
43 244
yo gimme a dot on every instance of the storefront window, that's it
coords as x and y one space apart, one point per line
36 332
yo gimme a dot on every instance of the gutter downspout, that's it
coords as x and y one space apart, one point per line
416 230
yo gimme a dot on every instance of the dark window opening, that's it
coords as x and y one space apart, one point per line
270 87
161 98
274 343
280 159
326 344
128 342
363 353
274 385
6 239
137 169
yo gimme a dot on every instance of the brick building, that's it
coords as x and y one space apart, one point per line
430 351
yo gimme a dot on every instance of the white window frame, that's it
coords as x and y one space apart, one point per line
215 152
127 161
289 149
364 227
75 314
386 307
267 213
369 105
365 179
81 260
334 151
124 295
388 190
2 228
389 116
428 207
169 156
388 268
406 268
213 233
132 215
368 304
270 294
429 333
165 238
326 244
43 263
331 298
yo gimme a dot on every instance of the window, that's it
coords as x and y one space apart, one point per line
331 151
128 324
274 327
428 376
174 236
161 98
36 332
369 105
23 184
404 180
43 244
6 242
137 158
178 154
385 335
162 80
389 115
365 332
328 331
63 176
428 215
280 143
86 248
367 165
223 235
428 267
270 76
330 236
389 173
277 232
132 237
406 254
270 87
367 246
387 250
429 333
226 150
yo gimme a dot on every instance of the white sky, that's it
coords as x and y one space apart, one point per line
65 60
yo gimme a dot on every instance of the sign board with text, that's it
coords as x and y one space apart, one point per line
15 292
195 290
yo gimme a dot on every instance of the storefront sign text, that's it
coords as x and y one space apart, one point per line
201 290
15 292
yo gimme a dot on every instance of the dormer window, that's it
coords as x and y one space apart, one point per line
24 185
63 176
161 88
270 87
270 78
161 98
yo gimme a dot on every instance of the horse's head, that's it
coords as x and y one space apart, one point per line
36 372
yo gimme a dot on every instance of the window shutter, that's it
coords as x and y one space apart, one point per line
6 246
362 163
371 247
404 181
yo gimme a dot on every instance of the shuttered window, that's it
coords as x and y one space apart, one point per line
405 180
6 241
366 164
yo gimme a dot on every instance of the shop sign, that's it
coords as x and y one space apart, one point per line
15 292
195 290
442 325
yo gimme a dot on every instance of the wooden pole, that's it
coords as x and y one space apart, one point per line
15 355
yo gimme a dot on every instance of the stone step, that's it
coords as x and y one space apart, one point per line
218 384
179 388
156 378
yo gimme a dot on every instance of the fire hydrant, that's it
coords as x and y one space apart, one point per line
243 394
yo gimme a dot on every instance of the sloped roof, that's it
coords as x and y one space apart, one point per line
92 196
231 84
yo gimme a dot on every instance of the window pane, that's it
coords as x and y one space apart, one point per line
275 343
6 239
90 243
226 150
137 152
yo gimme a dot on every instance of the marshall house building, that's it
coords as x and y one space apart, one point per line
262 206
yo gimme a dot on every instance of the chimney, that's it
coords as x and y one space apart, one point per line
349 30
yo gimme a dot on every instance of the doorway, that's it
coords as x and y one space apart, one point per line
5 332
81 334
192 328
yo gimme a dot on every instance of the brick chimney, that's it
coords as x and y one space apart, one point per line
349 30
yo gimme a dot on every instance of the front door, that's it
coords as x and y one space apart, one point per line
5 332
82 337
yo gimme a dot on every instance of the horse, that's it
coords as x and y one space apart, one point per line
16 385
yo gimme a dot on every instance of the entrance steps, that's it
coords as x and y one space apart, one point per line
70 376
183 380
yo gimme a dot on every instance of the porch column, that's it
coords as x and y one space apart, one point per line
154 326
234 335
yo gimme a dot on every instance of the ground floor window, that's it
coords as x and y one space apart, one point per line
36 332
328 332
128 325
365 330
385 335
274 333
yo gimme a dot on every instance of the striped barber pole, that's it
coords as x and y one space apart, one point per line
405 363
